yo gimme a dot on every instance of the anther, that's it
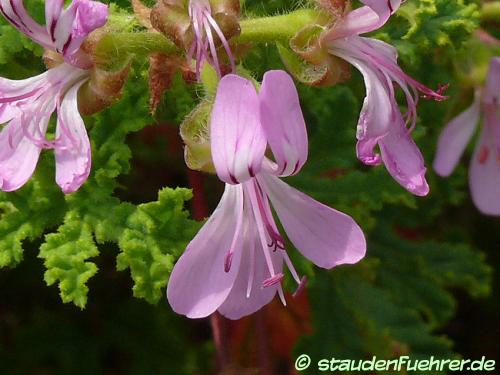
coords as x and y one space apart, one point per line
228 261
300 288
273 280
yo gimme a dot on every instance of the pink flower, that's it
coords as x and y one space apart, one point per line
235 263
27 105
484 174
381 122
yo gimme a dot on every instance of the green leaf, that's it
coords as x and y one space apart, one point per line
65 255
156 233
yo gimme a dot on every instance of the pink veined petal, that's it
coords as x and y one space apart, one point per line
237 139
18 155
72 154
199 285
492 101
378 113
403 159
368 18
76 22
454 138
484 175
244 299
492 92
283 122
16 14
15 90
90 16
53 10
7 113
323 235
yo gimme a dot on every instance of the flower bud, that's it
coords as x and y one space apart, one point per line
101 90
195 133
336 8
171 18
230 7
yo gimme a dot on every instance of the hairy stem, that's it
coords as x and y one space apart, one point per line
278 28
114 50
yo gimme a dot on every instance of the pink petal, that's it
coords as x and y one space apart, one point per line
237 139
492 101
492 94
484 175
403 159
454 139
238 303
283 122
72 153
325 236
76 23
199 284
18 154
378 113
53 10
371 17
16 14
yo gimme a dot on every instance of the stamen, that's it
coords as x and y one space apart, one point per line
300 288
254 201
273 280
439 91
252 267
291 267
237 231
265 212
204 43
228 261
224 42
282 295
211 44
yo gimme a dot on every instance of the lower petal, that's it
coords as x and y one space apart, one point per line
199 285
454 139
325 236
239 302
403 159
484 175
18 156
73 155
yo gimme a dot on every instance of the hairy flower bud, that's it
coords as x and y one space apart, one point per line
194 131
309 62
172 19
334 7
101 90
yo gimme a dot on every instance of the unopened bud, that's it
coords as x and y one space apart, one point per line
195 133
335 8
173 21
323 73
230 7
101 90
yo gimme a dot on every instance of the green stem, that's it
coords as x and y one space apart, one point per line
114 50
491 11
278 28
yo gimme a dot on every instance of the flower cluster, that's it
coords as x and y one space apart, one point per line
484 175
26 106
256 133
